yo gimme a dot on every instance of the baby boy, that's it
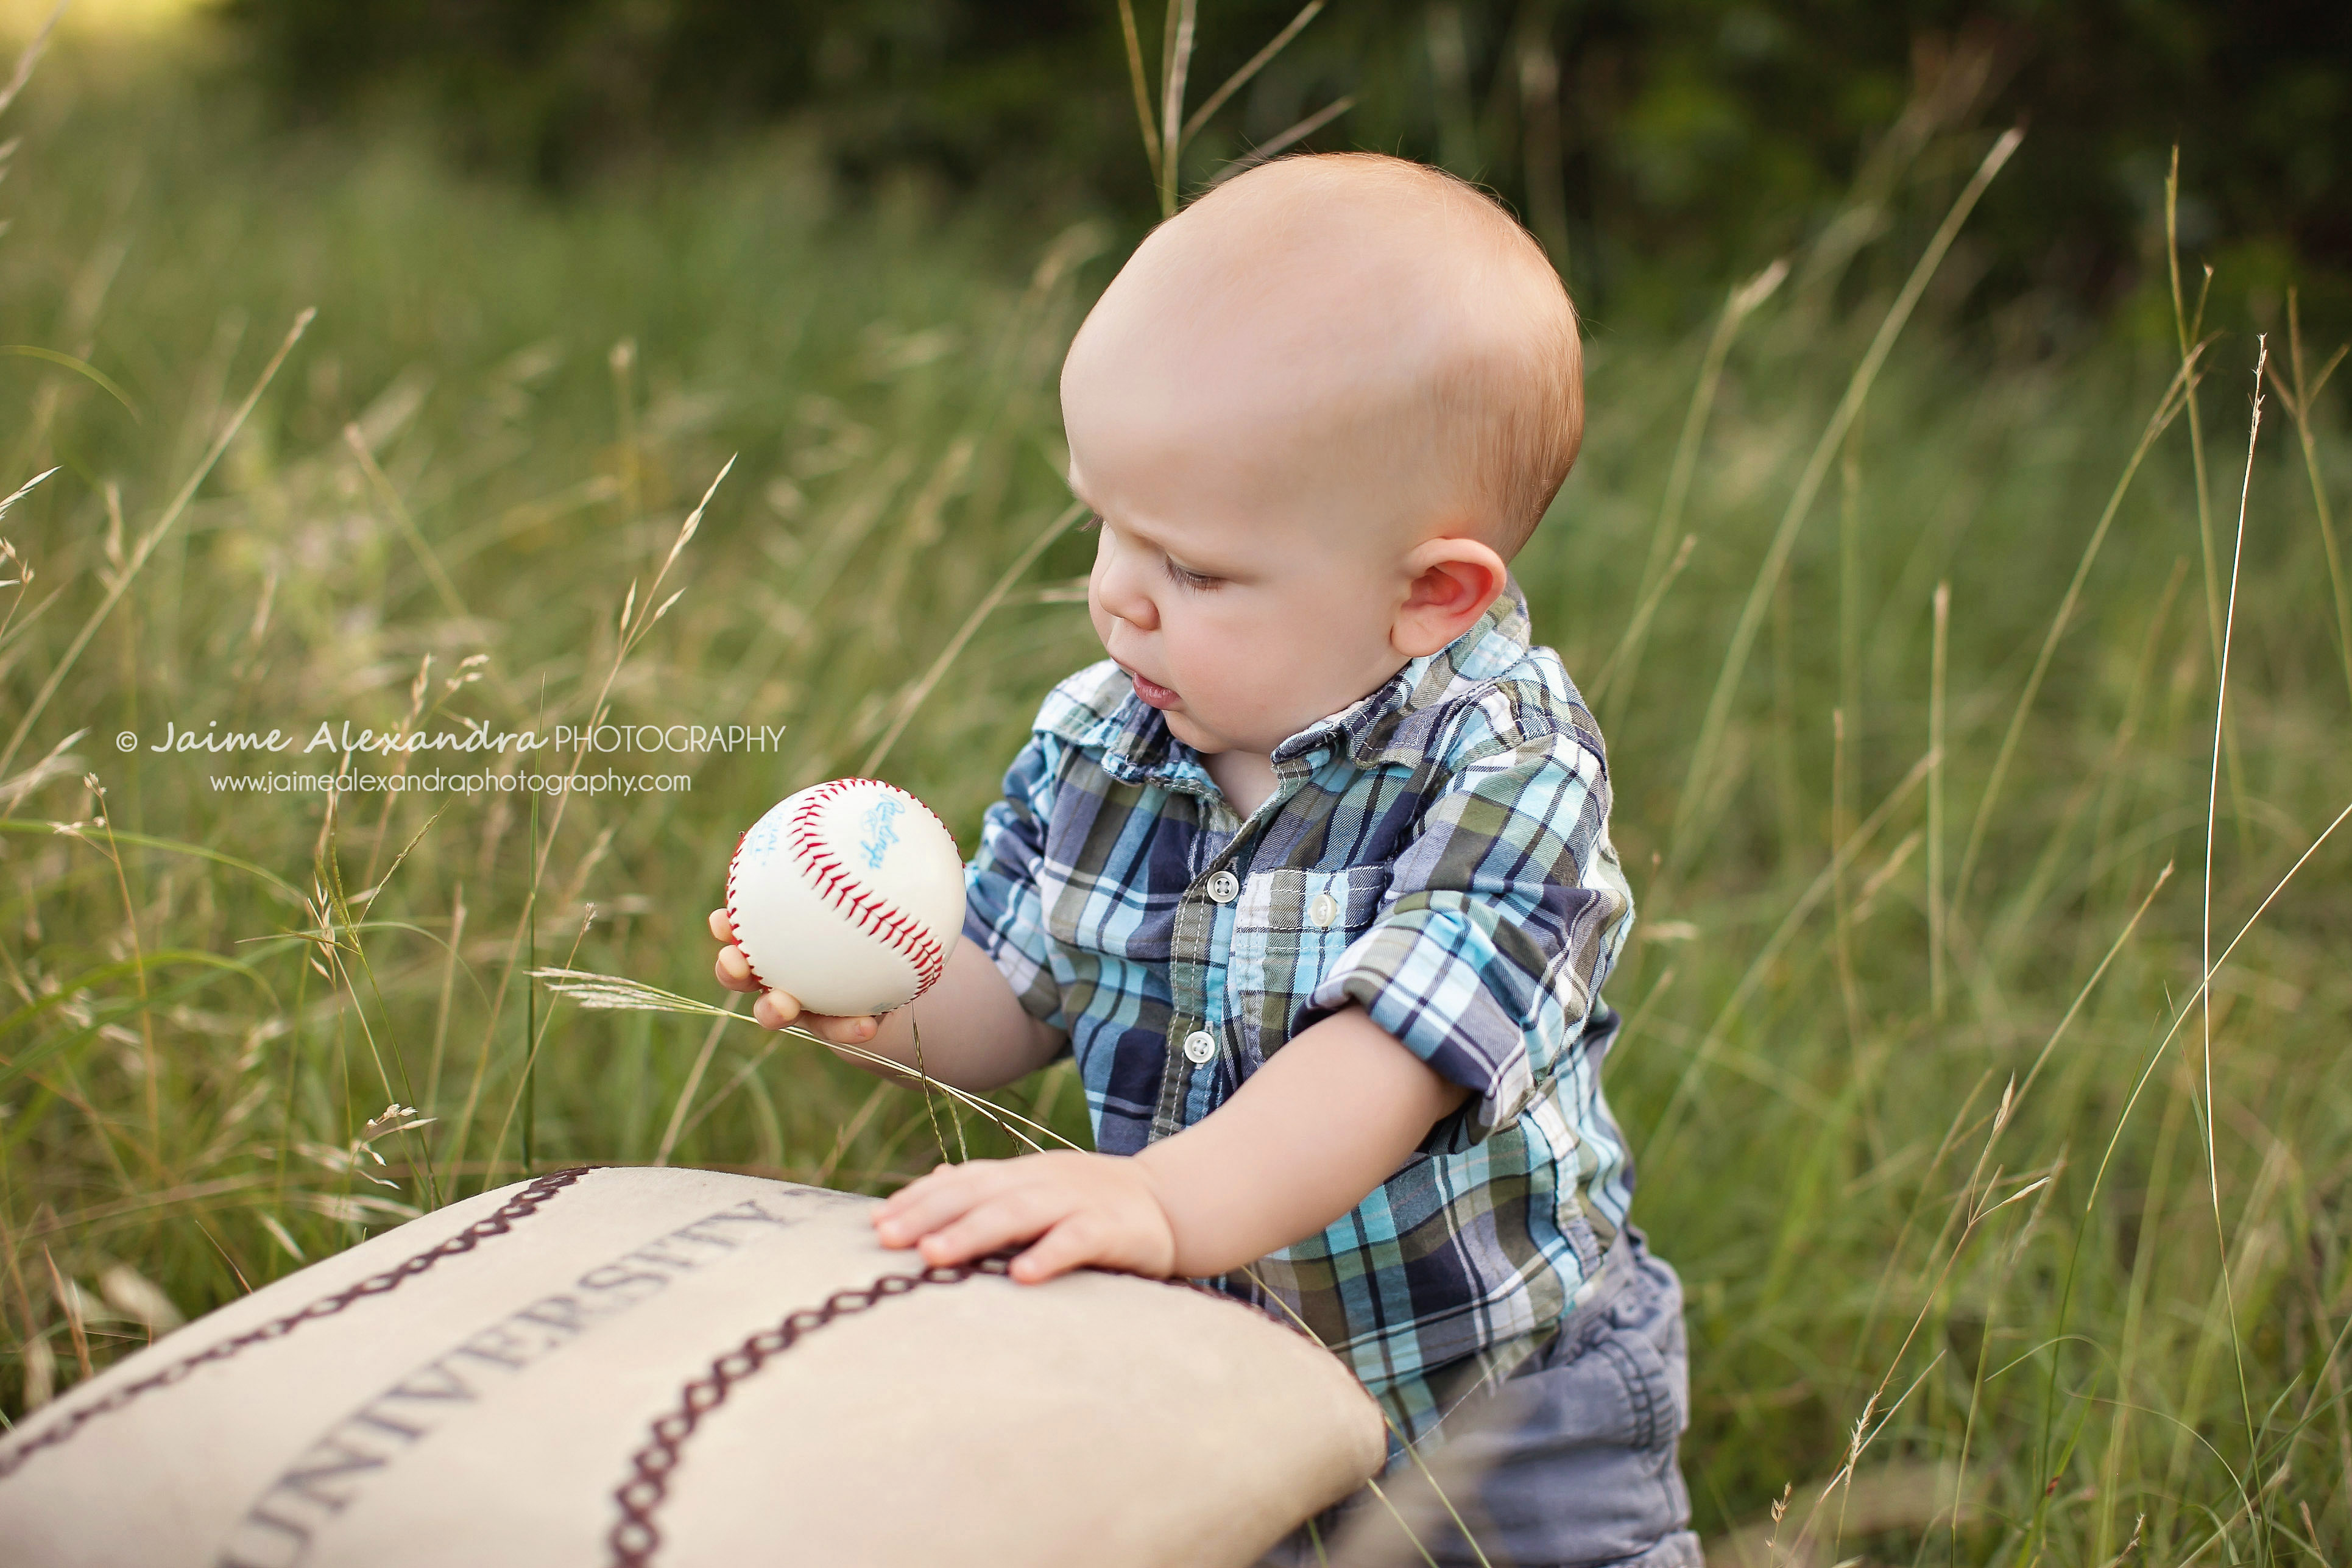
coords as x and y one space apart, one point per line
1313 876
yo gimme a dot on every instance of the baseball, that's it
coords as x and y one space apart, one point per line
849 895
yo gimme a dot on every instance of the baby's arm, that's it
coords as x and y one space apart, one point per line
1304 1139
976 1034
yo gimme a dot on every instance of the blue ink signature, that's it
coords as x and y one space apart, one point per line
880 832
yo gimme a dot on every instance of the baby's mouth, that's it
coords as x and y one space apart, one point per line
1151 692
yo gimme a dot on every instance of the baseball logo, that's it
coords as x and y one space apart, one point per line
848 895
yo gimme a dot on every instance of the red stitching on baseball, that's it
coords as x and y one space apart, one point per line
863 907
734 932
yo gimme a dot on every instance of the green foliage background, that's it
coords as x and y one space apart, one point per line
1684 139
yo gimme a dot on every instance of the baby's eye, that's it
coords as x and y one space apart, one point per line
1092 523
1192 579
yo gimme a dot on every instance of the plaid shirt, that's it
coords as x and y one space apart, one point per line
1437 853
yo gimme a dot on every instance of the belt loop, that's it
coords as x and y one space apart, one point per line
1606 1274
1591 1260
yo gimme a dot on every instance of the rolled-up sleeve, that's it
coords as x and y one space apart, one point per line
1003 909
1503 916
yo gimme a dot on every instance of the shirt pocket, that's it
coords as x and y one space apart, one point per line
1289 929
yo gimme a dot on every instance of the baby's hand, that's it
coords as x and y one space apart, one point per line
1086 1208
774 1009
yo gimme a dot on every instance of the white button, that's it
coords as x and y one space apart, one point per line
1323 911
1199 1047
1224 887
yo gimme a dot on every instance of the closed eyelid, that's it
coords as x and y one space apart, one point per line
1188 578
1184 576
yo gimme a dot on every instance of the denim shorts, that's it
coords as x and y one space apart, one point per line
1567 1463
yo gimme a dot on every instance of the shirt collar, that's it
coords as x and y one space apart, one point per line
1394 724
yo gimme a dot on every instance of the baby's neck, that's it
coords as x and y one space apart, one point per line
1247 777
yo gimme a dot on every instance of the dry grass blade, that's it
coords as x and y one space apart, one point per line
1737 306
21 491
1540 150
121 582
2212 802
82 368
2187 328
743 1075
2168 408
956 644
1143 88
1903 1494
1627 653
1299 133
451 600
1938 657
31 57
1257 62
631 631
1361 1542
692 524
2198 996
2221 709
56 764
615 992
1175 61
2084 995
1421 1506
1865 1432
1682 840
2299 401
693 1085
1852 846
607 992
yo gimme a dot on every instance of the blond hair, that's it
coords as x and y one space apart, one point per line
1505 386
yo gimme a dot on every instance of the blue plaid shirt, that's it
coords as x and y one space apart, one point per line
1437 853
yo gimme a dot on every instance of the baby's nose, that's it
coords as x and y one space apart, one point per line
1138 611
1118 594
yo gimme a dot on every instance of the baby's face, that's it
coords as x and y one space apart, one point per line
1251 553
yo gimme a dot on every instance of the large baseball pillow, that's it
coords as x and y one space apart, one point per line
641 1366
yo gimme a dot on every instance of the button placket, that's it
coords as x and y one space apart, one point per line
1192 1044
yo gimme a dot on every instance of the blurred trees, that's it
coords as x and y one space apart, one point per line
1654 144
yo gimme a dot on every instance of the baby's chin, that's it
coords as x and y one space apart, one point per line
1181 725
1199 736
1256 739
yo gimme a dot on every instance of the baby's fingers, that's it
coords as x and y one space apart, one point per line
1075 1242
775 1009
1014 1216
932 1202
734 970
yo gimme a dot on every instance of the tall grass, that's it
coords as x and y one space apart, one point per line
1990 1213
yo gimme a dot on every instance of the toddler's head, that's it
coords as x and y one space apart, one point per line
1317 413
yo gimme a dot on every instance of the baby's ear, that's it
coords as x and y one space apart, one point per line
1450 583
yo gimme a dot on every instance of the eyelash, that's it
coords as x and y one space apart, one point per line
1182 578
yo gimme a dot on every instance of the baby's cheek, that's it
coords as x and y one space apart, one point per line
1270 688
